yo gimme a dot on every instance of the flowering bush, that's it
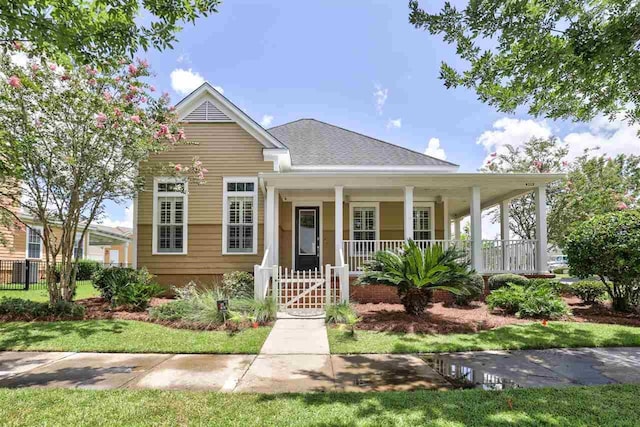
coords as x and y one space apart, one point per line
76 136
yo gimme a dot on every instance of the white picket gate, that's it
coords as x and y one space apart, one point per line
305 292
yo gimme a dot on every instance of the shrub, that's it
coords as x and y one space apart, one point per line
499 280
560 270
126 286
174 310
238 284
589 291
416 273
86 268
608 246
136 295
532 301
33 310
338 313
264 310
474 289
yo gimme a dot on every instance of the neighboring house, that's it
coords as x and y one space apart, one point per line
101 243
308 194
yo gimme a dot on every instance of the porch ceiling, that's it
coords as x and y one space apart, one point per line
494 188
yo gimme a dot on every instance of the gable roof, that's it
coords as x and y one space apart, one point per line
313 143
225 110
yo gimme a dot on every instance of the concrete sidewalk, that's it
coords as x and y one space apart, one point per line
270 373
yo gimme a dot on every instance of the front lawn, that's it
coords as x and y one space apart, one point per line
613 405
125 336
512 337
84 289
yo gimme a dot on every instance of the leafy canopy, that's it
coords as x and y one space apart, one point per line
95 31
561 58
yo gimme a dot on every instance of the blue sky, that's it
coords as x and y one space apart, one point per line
359 65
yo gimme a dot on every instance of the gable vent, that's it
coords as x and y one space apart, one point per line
207 112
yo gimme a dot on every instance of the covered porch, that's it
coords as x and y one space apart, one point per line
314 219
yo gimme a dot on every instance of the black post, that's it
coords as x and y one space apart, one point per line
27 271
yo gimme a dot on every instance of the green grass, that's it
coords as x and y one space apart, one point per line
573 406
84 290
120 336
533 335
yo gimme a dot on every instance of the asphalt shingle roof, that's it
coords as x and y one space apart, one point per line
315 143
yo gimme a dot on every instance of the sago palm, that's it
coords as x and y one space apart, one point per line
416 273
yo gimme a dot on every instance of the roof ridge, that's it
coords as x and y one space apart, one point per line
377 139
290 123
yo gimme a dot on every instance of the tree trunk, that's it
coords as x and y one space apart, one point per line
415 300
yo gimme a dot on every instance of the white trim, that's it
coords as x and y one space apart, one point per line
206 91
364 168
432 217
306 204
445 218
316 225
375 205
475 208
134 251
185 233
279 156
408 210
26 248
225 209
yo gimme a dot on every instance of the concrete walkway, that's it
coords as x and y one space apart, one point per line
270 373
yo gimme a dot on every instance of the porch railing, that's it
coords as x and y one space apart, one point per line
359 252
515 256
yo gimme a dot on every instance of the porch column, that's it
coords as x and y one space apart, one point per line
126 254
447 220
505 205
269 218
476 230
276 228
541 229
408 212
339 197
456 229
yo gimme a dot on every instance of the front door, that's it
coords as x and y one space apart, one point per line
307 242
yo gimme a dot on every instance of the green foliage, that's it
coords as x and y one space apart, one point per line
560 270
562 59
416 273
264 310
608 246
532 301
172 311
126 286
498 281
33 310
474 289
85 268
338 313
98 32
595 186
136 295
589 291
238 284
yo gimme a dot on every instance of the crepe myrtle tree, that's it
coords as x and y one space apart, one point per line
78 136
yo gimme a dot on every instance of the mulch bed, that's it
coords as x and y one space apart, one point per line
441 318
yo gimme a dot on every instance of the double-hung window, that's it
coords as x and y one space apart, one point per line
170 216
34 243
422 223
364 227
240 215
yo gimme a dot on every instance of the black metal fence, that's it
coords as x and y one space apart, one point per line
29 274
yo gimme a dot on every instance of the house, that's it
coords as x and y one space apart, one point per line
316 199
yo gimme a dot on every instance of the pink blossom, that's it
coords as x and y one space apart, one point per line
133 89
35 67
92 82
164 130
65 77
494 154
178 167
135 119
201 176
133 69
101 118
172 108
117 112
143 63
622 206
117 79
152 88
488 162
197 163
37 122
90 70
14 81
53 67
122 61
180 135
565 163
204 170
17 45
107 96
143 99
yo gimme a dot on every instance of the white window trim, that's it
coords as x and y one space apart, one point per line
26 248
375 205
294 232
432 216
225 209
185 234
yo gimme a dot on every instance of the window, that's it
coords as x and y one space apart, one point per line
422 222
240 215
34 243
364 221
169 216
78 247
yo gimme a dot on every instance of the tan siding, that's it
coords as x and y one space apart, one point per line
225 150
391 221
285 234
13 247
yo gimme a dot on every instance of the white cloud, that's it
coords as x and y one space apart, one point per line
434 149
126 222
185 81
397 123
183 58
380 95
612 137
266 121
